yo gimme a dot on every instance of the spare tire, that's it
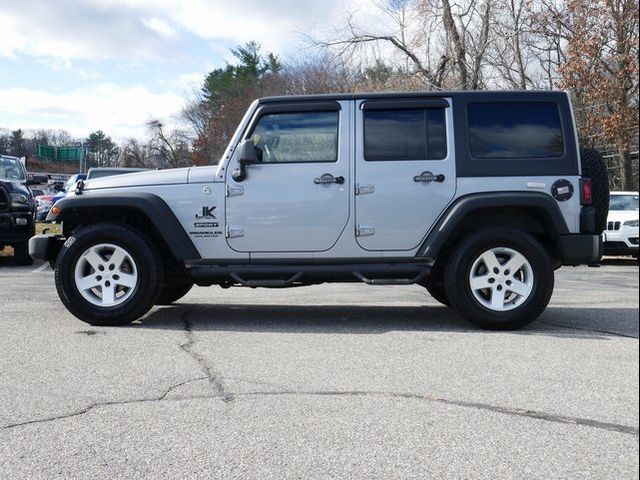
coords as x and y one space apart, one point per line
594 167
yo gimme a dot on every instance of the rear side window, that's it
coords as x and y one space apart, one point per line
412 134
514 130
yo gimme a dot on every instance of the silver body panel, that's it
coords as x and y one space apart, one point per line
278 213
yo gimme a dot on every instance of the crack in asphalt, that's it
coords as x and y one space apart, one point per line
226 396
606 332
214 379
518 412
90 407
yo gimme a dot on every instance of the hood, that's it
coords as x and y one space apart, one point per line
12 186
205 174
622 215
138 179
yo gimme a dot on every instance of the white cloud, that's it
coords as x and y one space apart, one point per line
120 112
83 31
160 26
190 81
164 41
152 29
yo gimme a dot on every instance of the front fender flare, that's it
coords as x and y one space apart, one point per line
150 205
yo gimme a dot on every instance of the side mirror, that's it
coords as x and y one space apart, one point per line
247 155
247 152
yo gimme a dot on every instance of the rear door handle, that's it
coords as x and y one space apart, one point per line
328 178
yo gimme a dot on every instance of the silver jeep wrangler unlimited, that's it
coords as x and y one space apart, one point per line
477 196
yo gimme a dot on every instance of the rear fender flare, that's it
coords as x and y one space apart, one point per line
446 226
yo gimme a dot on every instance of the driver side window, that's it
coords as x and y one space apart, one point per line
297 137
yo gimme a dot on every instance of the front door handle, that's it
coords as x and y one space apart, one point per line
328 178
428 177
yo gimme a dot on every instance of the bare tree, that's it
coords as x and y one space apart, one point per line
551 30
133 154
445 44
199 117
407 33
511 54
170 148
601 68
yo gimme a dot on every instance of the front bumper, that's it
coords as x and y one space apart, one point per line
15 227
621 242
45 247
580 249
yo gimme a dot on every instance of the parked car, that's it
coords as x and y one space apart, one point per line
99 172
17 209
73 180
622 232
477 196
38 191
44 204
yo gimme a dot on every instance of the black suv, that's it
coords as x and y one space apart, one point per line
17 209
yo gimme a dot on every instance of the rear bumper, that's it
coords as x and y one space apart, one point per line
580 249
45 247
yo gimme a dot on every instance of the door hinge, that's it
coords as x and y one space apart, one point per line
365 230
234 191
234 232
364 189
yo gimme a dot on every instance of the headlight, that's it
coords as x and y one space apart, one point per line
43 205
18 199
632 223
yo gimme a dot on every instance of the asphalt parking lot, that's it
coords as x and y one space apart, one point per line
332 381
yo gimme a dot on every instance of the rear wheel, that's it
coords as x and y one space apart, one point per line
499 279
106 274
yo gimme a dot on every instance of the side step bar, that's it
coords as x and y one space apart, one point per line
275 276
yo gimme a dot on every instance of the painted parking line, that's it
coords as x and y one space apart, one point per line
41 268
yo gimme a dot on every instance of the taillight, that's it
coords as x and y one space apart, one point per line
586 192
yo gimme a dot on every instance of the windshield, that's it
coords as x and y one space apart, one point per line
11 169
623 203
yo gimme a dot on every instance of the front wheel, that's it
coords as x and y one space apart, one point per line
173 292
107 274
499 279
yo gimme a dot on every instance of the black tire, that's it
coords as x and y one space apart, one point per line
173 292
144 293
434 283
21 254
437 291
457 279
594 167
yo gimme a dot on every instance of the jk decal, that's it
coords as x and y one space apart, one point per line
207 212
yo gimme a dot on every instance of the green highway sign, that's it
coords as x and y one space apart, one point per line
61 154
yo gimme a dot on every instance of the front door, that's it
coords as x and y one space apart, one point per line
296 198
405 170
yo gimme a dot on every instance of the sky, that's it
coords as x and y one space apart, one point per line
84 65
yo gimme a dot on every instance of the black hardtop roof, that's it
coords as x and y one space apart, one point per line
468 94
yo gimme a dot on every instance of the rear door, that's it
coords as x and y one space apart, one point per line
405 170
